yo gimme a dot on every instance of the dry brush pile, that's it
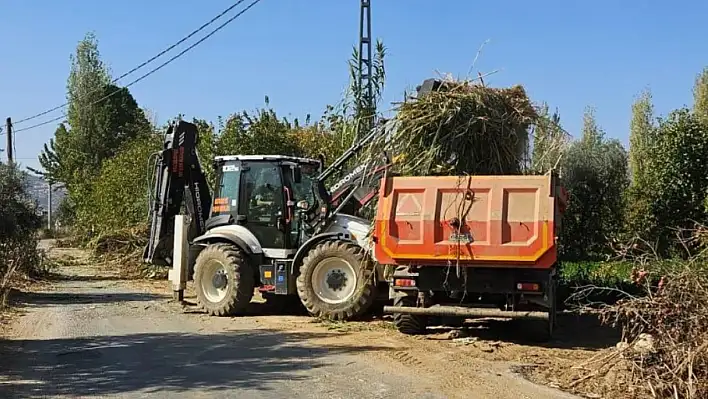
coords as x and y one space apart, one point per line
665 334
122 249
663 351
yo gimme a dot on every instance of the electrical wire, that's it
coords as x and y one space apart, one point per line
41 124
164 64
158 55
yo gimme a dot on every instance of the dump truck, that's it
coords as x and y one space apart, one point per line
469 246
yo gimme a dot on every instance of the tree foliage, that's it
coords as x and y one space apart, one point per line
361 103
119 194
206 148
313 141
641 134
594 171
676 184
549 141
700 96
19 221
101 117
639 219
18 214
260 132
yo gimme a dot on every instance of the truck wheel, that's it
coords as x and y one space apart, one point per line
408 324
553 310
223 280
335 281
544 330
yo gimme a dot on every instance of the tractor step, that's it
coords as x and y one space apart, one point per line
275 277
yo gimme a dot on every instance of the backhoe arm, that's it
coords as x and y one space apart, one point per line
177 170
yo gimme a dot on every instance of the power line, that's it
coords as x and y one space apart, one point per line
158 55
41 123
164 64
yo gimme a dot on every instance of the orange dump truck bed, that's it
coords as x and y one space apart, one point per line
504 221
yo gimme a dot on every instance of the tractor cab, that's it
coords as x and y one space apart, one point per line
263 194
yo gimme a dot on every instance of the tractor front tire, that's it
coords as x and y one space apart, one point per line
336 281
223 280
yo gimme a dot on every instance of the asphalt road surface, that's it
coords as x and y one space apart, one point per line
94 335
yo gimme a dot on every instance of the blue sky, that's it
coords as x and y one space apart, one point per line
569 53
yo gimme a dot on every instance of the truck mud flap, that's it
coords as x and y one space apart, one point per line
459 311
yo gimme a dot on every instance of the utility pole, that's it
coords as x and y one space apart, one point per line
49 207
8 131
365 102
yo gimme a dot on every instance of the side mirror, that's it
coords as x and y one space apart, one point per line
303 205
297 175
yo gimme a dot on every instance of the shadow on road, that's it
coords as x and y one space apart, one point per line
160 362
573 331
89 278
22 299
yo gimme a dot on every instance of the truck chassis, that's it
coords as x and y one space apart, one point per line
422 295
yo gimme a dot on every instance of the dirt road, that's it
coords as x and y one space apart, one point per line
93 334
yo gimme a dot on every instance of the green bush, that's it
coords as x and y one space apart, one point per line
119 194
594 171
19 221
607 274
666 208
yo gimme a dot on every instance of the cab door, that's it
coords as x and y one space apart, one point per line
262 202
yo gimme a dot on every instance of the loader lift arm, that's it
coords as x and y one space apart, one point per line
176 170
359 185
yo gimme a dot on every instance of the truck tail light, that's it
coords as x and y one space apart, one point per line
404 282
534 287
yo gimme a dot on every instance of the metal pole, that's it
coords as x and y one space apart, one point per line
8 130
365 100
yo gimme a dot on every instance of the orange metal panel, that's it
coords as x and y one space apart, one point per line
505 220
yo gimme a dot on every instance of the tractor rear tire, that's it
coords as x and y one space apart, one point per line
223 280
336 281
409 324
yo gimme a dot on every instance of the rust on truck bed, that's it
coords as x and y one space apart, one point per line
506 221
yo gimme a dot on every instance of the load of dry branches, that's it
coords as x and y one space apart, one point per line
464 127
